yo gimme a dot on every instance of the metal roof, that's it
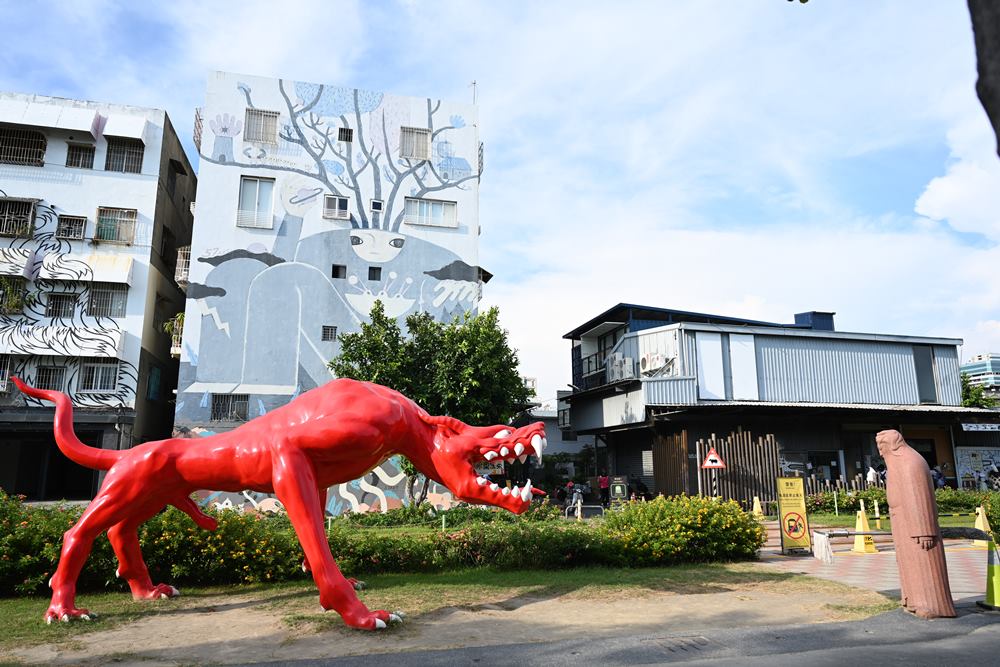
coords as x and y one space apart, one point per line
625 311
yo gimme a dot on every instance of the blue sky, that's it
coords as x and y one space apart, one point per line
754 158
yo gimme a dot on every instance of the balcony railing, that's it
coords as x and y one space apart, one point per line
594 363
183 270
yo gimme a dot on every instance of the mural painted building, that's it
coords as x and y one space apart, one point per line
94 202
314 201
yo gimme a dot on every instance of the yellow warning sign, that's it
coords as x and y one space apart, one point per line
792 514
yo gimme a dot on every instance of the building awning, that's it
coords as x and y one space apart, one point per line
131 127
48 114
93 267
16 262
58 341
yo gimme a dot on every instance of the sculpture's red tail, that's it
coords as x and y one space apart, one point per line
69 444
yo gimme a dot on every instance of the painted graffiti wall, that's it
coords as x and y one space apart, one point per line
314 201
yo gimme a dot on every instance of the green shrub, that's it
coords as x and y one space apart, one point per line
684 529
425 514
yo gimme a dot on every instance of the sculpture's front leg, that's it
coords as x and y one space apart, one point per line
295 486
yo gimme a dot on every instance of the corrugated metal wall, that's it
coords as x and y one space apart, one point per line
948 375
823 370
671 391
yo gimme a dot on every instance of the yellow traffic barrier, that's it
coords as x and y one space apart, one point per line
983 524
757 509
992 579
863 544
878 517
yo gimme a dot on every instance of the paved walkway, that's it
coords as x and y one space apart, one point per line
878 572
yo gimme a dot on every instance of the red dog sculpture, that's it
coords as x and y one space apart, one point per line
332 434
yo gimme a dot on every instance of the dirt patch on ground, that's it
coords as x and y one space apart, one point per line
261 626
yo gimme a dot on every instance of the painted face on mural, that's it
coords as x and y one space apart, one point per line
376 245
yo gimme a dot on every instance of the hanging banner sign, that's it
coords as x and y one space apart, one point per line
981 427
792 515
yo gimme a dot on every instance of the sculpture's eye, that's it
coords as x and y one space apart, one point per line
397 243
356 240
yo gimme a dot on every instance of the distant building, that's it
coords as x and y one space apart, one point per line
656 384
94 201
984 371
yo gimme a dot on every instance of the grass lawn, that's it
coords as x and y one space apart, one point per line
425 594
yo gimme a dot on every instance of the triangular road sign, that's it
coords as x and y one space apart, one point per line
713 460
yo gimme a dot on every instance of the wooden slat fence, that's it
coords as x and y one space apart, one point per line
670 464
752 464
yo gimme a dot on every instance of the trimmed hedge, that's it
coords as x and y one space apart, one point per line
425 514
249 548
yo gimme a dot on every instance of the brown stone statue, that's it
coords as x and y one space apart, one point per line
923 573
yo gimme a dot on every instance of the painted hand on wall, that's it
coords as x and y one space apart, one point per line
225 127
456 291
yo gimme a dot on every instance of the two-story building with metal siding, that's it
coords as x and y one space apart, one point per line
655 384
94 201
315 201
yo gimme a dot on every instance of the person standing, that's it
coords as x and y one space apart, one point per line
923 572
604 484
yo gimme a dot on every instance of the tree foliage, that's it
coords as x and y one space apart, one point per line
464 368
974 395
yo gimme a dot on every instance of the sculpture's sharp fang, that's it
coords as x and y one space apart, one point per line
519 449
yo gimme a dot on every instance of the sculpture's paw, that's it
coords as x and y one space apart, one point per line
158 592
58 612
358 585
379 619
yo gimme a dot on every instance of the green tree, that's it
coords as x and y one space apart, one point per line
974 395
464 368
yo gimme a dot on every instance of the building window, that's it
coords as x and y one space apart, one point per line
377 206
153 384
329 333
71 227
374 273
124 155
345 134
50 377
80 156
60 305
230 407
5 372
107 300
431 212
98 376
339 271
414 143
255 202
115 225
24 147
335 207
261 126
12 293
923 360
17 218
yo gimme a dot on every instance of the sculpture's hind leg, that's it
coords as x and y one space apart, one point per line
124 540
107 509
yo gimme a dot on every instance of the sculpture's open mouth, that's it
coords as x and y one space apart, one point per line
509 446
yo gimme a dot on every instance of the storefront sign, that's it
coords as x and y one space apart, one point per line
981 427
792 515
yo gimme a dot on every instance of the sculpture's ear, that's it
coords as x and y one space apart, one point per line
449 424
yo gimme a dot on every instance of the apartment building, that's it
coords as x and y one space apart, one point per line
95 199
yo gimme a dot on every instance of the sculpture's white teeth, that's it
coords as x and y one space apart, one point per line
489 456
526 491
516 491
519 449
522 458
504 451
494 487
505 491
509 459
538 443
481 481
501 435
545 442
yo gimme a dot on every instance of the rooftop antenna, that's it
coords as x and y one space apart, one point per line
473 84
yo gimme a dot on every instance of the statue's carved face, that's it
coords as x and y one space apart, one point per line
888 442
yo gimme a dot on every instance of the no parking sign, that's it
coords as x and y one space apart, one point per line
792 514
